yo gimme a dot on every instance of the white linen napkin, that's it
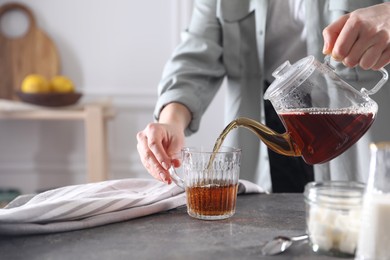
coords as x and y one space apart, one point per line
93 204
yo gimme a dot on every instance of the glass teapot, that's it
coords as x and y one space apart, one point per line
323 115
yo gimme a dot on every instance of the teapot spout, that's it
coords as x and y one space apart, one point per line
280 143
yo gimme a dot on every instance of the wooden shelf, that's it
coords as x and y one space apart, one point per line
95 115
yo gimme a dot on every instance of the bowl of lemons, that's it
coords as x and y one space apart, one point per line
59 91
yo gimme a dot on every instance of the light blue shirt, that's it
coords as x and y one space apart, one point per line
226 38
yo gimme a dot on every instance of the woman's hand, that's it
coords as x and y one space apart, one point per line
158 142
360 38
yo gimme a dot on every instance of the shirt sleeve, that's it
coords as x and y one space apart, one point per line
194 73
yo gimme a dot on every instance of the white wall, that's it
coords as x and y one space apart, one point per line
113 49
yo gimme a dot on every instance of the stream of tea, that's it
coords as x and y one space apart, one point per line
278 142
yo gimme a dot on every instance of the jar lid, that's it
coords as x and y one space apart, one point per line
288 77
335 194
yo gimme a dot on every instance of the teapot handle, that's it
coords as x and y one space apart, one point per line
378 85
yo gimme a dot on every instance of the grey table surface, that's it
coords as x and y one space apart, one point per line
175 235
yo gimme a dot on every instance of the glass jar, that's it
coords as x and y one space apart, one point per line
333 211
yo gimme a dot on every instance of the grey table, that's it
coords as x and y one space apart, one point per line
175 235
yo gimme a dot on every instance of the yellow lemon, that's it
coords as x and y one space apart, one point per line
35 83
61 84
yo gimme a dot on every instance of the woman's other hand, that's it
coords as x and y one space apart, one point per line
158 142
361 37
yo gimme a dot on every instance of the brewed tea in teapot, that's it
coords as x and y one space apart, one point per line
323 115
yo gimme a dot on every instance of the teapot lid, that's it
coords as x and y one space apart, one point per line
289 76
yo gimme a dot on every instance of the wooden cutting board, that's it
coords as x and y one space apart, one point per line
33 52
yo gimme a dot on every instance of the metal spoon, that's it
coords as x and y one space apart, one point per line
280 244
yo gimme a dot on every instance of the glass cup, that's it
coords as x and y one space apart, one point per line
374 239
210 181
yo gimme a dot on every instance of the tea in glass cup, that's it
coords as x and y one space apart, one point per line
210 180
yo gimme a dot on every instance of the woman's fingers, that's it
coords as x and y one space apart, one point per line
370 57
158 142
152 153
331 34
360 38
383 60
